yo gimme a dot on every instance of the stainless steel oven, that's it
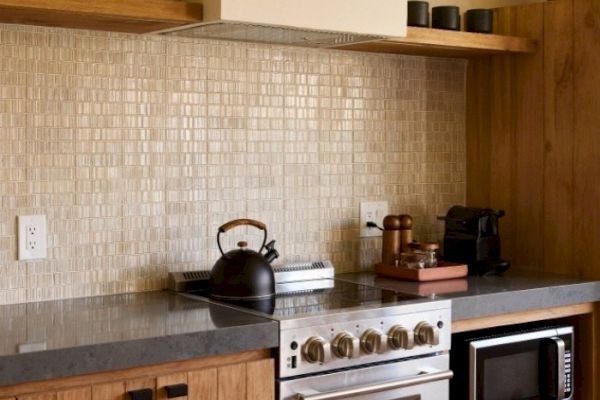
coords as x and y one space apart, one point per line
416 379
534 364
341 340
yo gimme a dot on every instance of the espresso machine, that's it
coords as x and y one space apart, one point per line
471 237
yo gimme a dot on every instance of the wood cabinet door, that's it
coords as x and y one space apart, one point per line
203 384
84 393
109 391
140 383
260 380
39 396
232 382
166 380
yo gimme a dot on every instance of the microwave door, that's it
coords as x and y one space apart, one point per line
552 368
528 365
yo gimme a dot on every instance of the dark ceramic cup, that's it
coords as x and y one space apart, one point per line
479 20
418 14
445 17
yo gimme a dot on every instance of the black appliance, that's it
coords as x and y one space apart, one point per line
471 237
513 364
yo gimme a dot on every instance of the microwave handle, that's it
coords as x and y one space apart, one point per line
558 345
378 387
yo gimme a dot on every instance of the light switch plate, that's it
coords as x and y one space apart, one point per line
32 237
374 211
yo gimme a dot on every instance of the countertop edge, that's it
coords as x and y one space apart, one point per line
491 304
105 357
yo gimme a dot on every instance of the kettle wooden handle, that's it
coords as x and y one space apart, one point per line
244 221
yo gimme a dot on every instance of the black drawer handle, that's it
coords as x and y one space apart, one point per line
141 394
178 390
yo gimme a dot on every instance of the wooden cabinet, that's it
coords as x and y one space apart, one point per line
585 318
249 376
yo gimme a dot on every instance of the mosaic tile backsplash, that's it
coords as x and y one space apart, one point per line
137 148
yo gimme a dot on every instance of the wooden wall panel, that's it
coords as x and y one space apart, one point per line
558 137
527 214
544 140
478 132
502 127
587 137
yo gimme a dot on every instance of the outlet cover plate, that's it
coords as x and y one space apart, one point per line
374 211
32 237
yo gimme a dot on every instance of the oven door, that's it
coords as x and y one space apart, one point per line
416 379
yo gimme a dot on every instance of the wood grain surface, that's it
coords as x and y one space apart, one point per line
444 43
134 16
558 137
232 382
109 391
133 373
544 138
203 384
260 376
586 133
528 178
83 393
171 379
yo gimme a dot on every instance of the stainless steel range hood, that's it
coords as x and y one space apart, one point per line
309 23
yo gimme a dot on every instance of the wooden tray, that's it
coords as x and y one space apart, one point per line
442 272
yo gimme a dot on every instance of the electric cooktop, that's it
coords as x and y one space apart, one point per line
338 297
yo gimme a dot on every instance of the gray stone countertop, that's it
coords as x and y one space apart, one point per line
64 338
475 297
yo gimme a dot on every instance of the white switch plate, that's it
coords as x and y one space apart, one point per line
32 237
374 211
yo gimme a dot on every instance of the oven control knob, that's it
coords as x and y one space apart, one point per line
345 345
427 334
316 349
400 337
373 341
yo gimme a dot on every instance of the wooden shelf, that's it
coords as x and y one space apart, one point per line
442 43
133 16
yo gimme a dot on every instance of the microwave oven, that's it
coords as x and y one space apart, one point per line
518 365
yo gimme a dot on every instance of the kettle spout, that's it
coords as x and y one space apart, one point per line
271 253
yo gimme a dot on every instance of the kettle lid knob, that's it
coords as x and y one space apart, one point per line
242 244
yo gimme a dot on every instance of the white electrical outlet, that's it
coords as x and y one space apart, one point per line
32 237
374 211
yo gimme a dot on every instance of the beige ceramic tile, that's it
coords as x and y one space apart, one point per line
138 148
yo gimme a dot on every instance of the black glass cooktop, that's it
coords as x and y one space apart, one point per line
342 296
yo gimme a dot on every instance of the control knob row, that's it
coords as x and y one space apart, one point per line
345 345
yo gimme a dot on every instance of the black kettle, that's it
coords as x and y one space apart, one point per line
244 274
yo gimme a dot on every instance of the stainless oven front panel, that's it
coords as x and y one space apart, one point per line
416 379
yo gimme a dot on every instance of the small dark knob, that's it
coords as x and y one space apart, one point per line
179 390
141 394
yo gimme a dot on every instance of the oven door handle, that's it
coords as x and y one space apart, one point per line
379 387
